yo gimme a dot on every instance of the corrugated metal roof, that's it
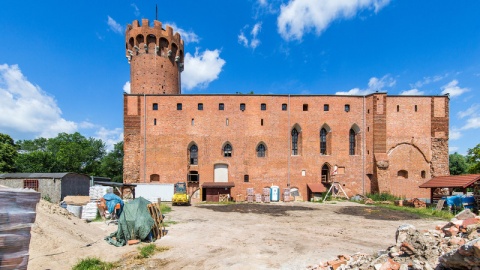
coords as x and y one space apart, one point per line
34 175
218 184
317 188
451 181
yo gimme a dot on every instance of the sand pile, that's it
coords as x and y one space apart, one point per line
59 239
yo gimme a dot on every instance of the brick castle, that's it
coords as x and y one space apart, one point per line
224 144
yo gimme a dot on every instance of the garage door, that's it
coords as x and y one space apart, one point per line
221 173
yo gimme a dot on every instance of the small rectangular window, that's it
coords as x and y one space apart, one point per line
305 107
226 122
326 107
221 106
193 121
31 183
304 172
246 178
263 107
242 106
179 106
398 108
155 106
284 106
261 122
347 107
200 106
415 107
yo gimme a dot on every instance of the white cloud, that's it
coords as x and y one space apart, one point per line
299 17
136 10
254 42
187 36
201 68
428 80
452 149
454 134
262 2
473 110
453 89
374 84
114 26
412 92
109 137
472 123
26 109
126 87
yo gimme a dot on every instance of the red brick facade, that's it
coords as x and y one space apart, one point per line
377 142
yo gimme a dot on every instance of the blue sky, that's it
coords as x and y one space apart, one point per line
63 65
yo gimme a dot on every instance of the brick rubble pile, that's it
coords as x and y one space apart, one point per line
454 245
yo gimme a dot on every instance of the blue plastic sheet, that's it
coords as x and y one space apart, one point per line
112 200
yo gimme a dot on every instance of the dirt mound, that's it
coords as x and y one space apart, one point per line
59 239
377 213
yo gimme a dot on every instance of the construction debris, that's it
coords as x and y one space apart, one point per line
454 245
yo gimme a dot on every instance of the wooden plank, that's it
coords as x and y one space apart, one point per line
440 205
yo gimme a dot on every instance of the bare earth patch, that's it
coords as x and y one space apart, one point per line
234 236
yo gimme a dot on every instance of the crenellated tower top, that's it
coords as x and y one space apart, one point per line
155 56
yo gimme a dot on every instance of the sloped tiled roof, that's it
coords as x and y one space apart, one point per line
451 181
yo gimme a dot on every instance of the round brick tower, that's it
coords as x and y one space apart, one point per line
156 58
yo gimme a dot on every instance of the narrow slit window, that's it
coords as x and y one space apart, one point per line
155 121
193 121
261 122
416 108
398 108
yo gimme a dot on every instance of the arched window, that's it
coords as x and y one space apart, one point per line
227 150
352 142
294 142
193 155
325 174
323 141
261 150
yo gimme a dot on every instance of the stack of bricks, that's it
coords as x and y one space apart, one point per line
286 195
258 198
266 195
250 195
17 215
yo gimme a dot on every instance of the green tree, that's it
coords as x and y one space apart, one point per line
112 163
458 164
473 158
8 153
64 153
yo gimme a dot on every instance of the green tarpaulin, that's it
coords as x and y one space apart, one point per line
135 222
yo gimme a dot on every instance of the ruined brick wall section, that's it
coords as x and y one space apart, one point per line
131 139
440 118
156 58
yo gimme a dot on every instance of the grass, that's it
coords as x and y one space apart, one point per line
148 250
423 212
380 197
165 208
170 222
93 264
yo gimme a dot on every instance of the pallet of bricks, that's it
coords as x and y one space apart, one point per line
286 195
250 195
258 198
266 195
17 215
476 193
